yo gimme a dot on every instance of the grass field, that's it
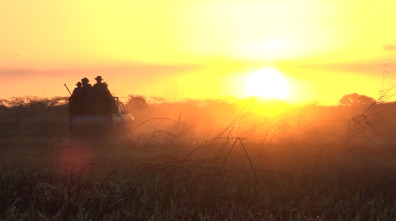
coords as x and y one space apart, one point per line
323 166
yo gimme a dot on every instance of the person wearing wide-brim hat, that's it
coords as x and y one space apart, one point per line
102 97
76 100
77 91
86 94
99 78
99 83
86 85
78 87
84 80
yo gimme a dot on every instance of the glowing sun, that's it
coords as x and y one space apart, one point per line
267 83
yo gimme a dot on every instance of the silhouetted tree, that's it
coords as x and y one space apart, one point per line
3 104
136 102
356 99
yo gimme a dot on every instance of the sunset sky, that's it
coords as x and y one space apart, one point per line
198 48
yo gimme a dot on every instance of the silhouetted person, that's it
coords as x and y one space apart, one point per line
77 90
101 86
86 94
76 100
102 98
113 104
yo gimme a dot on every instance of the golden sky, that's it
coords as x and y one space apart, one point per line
197 48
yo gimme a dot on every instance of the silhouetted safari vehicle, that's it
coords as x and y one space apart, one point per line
88 122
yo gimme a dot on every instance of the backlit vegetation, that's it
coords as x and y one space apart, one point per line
201 160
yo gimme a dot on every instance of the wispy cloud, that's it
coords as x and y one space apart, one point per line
19 53
15 72
389 47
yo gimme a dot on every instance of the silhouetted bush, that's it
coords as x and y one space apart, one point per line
136 102
356 99
33 116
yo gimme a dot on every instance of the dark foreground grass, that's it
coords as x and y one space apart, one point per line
217 182
297 173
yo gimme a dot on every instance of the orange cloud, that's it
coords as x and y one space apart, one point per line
20 53
389 47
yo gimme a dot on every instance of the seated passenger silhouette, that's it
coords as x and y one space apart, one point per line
76 102
86 94
102 98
